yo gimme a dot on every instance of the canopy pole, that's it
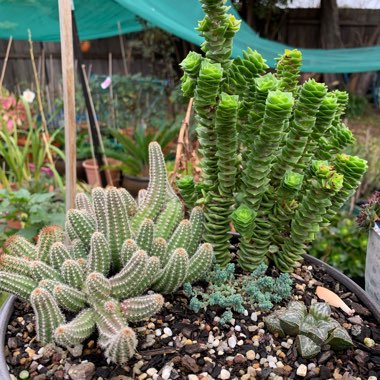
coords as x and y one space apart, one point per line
65 24
90 110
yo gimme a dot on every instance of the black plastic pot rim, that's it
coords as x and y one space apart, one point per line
136 178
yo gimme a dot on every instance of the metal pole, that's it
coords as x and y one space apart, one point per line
91 114
65 24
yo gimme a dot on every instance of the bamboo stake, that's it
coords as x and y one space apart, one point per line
112 109
122 48
183 141
5 62
65 24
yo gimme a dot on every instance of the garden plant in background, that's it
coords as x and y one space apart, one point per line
117 250
271 149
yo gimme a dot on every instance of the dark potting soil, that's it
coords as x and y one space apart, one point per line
180 344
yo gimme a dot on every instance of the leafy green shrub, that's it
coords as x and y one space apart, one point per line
33 211
342 244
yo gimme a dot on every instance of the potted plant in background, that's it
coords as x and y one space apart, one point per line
132 153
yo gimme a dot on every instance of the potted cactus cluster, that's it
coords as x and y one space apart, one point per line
273 171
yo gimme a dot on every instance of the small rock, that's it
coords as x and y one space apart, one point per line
250 355
166 372
232 341
254 317
23 375
151 371
189 364
325 356
369 342
82 371
356 320
12 343
195 348
224 374
302 370
192 377
168 331
158 332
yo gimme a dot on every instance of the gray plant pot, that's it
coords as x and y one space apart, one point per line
5 314
372 266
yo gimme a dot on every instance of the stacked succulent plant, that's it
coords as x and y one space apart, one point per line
313 329
271 149
115 250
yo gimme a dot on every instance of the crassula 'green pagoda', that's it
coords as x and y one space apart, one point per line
112 251
272 161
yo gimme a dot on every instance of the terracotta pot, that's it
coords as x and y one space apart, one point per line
134 184
81 173
93 176
14 224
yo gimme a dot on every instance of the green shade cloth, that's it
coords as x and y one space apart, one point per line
99 18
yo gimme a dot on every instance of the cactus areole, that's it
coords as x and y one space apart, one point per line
117 250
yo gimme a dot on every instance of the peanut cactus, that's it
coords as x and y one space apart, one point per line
259 136
116 250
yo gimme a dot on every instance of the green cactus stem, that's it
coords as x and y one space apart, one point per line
144 237
18 246
82 224
174 273
200 263
99 202
17 284
129 201
118 228
139 308
169 218
14 264
48 315
41 271
98 286
69 298
181 236
127 250
124 282
155 196
83 202
196 221
72 273
99 259
78 329
58 254
46 238
159 249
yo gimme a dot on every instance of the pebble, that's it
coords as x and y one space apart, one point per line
168 331
158 332
372 378
192 377
151 371
250 355
23 375
254 317
166 373
285 344
82 371
369 342
302 370
224 374
232 341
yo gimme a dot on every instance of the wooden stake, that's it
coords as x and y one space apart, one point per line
122 49
65 24
183 142
5 62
